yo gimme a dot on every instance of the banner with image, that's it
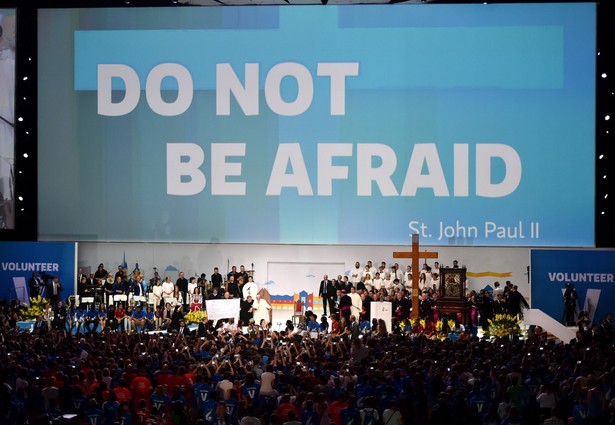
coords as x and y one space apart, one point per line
312 125
592 272
19 260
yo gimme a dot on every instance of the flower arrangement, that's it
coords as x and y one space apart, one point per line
406 326
36 309
195 317
503 325
438 325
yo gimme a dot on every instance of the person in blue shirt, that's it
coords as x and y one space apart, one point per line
80 318
111 409
387 397
324 324
231 405
210 407
79 400
201 390
93 415
159 399
138 319
309 416
350 415
313 325
149 319
124 417
478 402
250 390
92 320
362 390
579 413
15 412
53 411
364 325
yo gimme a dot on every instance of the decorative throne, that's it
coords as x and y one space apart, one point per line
451 296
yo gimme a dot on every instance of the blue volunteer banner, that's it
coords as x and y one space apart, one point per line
592 272
19 260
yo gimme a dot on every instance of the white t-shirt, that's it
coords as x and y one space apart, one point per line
377 284
167 289
356 274
157 291
223 387
388 284
408 276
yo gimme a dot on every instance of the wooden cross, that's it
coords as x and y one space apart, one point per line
415 255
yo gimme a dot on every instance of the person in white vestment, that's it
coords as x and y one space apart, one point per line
261 310
357 303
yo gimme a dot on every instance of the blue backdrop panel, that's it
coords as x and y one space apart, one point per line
19 259
591 271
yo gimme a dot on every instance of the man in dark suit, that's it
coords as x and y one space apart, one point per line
182 285
183 329
59 317
216 279
80 276
177 317
516 301
33 283
54 290
205 327
327 292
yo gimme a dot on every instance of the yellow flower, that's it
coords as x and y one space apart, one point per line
195 317
504 325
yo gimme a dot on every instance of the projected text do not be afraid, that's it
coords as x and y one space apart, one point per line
376 163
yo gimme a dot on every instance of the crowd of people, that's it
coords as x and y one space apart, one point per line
341 369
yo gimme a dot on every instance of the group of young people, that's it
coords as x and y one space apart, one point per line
220 374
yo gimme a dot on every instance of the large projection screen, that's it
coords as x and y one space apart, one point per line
7 118
469 124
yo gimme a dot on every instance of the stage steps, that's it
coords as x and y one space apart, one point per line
534 316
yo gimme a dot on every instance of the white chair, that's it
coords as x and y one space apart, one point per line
170 300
